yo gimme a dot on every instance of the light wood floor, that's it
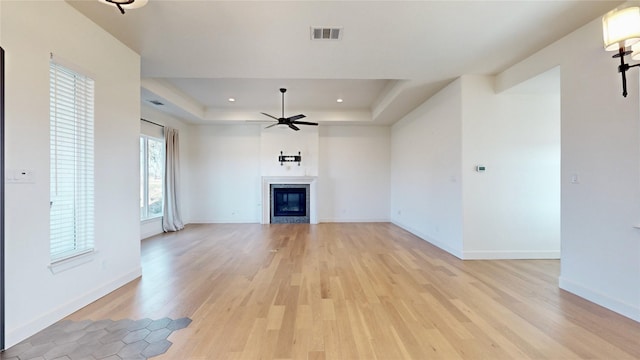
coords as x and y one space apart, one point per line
356 291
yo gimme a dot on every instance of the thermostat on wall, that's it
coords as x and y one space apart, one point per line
481 168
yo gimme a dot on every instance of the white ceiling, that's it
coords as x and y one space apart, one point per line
393 55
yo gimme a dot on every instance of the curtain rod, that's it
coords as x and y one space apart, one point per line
151 122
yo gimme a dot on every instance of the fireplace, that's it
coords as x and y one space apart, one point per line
309 183
289 203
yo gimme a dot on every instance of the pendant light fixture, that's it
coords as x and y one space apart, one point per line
125 4
621 33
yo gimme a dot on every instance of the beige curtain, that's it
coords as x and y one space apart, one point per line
171 220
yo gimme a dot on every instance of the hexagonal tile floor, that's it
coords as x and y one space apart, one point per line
104 339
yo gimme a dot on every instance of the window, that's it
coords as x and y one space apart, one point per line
151 176
71 163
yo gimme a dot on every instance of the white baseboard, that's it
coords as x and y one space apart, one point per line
15 335
149 230
338 220
429 239
620 307
224 221
482 255
254 221
510 255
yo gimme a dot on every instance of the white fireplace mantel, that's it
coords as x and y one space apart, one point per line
289 180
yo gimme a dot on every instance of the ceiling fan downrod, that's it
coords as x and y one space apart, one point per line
283 90
290 121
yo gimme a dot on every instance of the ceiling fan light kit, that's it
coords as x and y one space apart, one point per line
125 4
290 121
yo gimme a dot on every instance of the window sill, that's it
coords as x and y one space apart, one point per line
69 263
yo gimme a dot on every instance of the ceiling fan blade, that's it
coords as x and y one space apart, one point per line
296 117
271 116
272 125
294 127
304 123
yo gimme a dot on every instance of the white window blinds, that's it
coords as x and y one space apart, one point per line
71 156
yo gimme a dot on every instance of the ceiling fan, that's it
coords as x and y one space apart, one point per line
290 121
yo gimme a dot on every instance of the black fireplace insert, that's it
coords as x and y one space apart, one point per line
290 202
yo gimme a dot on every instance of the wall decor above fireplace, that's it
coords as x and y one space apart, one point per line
289 158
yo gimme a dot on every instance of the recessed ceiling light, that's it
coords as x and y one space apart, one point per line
232 99
339 100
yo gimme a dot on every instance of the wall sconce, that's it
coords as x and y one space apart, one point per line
125 4
290 158
621 33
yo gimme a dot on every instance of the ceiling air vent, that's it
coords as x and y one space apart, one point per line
156 102
326 33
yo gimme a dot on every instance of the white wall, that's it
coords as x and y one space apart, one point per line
1 210
35 298
154 226
426 157
226 163
281 138
601 147
513 209
354 178
224 175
